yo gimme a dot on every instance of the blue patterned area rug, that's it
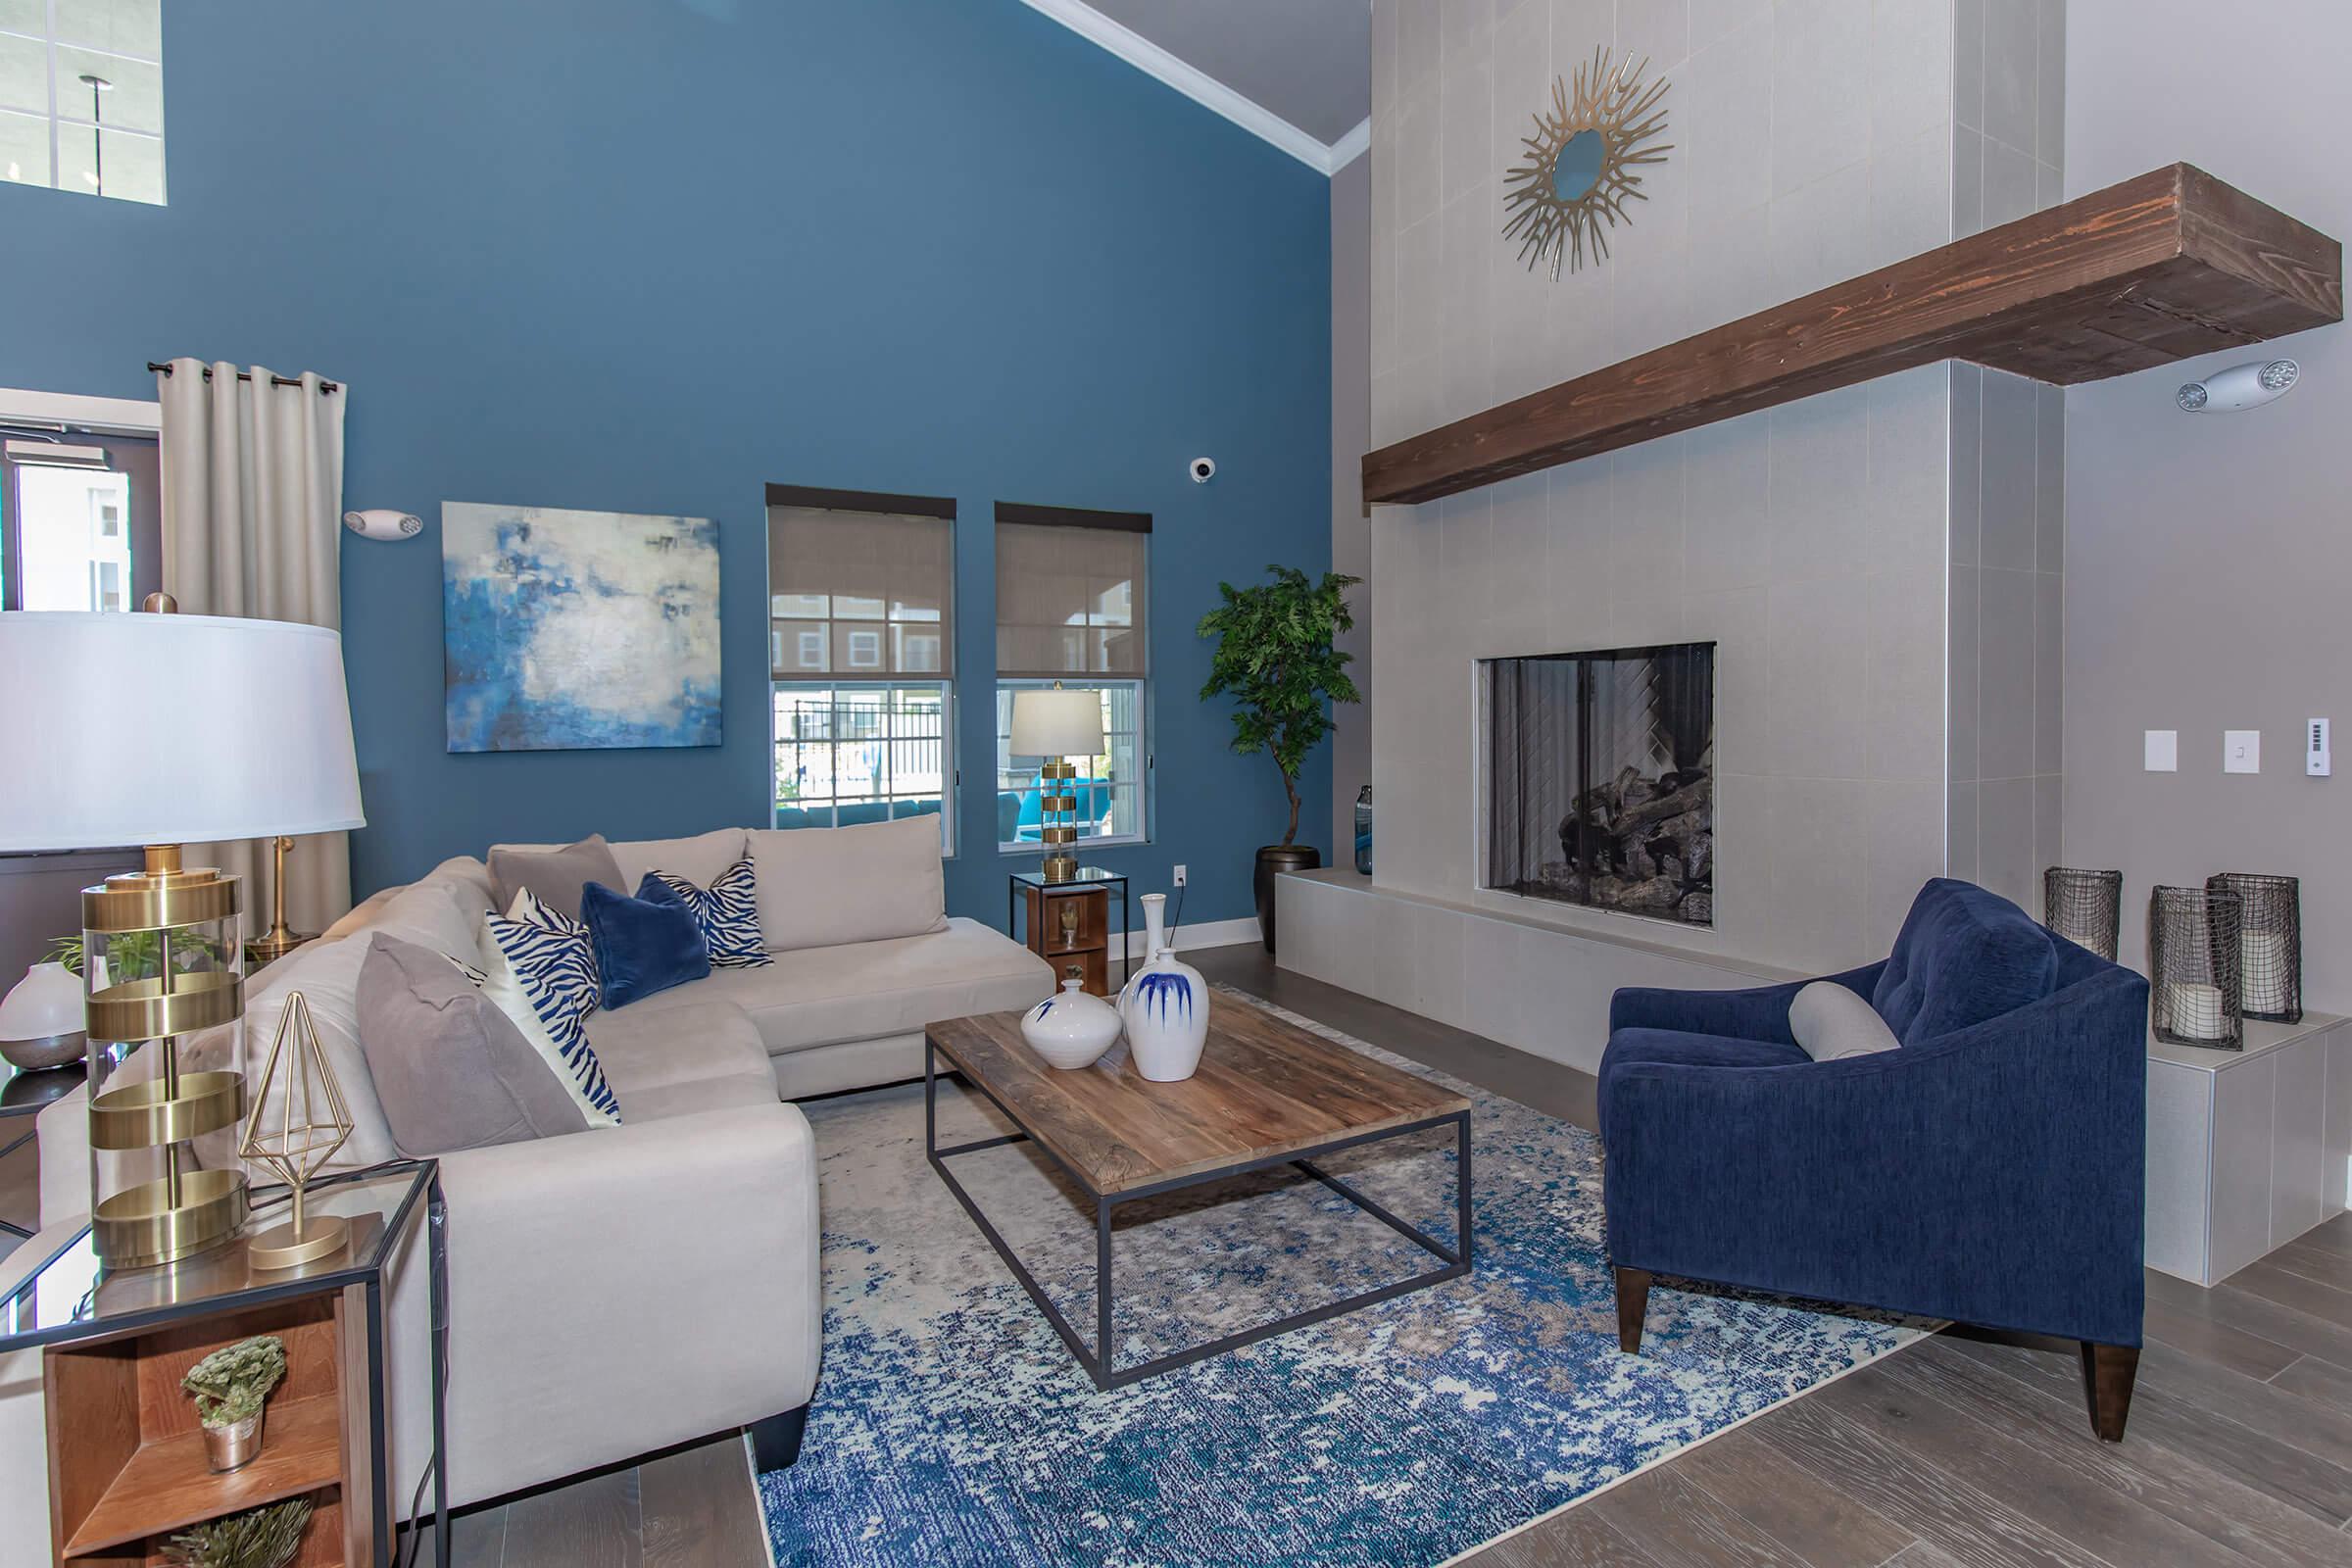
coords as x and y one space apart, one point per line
951 1429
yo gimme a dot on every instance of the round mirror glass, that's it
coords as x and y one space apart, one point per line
1576 169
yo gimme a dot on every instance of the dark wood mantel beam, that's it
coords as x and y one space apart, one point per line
2161 268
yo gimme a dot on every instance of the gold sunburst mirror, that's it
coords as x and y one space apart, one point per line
1580 163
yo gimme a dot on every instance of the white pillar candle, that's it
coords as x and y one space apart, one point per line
2196 1011
2261 955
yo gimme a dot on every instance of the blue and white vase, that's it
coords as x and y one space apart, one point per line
1071 1029
1165 1006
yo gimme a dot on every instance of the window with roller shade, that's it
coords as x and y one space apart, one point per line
1072 607
861 652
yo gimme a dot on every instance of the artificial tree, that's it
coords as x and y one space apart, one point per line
1274 658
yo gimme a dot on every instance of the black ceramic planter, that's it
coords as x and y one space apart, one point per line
1272 862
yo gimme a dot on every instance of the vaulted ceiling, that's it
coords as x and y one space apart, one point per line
1298 72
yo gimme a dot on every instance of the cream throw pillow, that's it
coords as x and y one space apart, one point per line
820 887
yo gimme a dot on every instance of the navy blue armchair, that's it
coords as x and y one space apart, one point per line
1989 1170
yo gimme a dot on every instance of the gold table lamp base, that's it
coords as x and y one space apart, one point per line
286 1247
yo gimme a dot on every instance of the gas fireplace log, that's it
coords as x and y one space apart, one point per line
1656 893
1693 797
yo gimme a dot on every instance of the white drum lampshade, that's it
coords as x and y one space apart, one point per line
1053 723
1057 724
159 731
170 730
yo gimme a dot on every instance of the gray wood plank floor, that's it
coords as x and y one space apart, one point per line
1967 1449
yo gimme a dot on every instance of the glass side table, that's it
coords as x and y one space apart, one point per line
132 1470
23 1096
1089 879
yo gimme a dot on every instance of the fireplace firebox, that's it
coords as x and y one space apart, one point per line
1600 779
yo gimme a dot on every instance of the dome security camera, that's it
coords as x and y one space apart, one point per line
2241 386
1203 469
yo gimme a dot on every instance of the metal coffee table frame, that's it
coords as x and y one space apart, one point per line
1456 1259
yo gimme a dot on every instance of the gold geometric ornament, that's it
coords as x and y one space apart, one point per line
301 1144
1579 175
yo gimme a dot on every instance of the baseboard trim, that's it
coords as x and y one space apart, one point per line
1200 934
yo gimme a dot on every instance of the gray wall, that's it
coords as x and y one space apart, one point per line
2209 558
1812 140
1351 438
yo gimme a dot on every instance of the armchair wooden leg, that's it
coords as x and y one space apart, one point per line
1633 1304
2108 1372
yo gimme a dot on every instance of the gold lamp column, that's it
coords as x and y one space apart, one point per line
161 960
1058 726
212 731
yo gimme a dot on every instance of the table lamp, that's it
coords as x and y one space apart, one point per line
159 729
1058 726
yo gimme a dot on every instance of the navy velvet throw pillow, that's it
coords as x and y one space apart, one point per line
641 947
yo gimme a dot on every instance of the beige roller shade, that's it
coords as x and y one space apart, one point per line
1071 601
859 595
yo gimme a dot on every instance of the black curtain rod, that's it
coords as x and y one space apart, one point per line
247 375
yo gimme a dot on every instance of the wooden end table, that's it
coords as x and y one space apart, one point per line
127 1463
1267 1094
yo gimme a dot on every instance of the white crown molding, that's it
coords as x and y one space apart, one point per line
1348 148
1203 90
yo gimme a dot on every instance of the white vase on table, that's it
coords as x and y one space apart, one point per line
1164 1005
1071 1029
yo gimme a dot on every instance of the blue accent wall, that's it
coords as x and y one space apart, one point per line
648 255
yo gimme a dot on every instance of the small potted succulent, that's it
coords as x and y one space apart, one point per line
230 1386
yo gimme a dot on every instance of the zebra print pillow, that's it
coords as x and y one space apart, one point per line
539 968
726 912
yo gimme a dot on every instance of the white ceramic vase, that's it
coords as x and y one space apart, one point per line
1071 1029
1164 1005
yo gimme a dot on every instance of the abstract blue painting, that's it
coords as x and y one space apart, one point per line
577 630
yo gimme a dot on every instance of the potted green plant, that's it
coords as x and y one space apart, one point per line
259 1537
1274 656
231 1386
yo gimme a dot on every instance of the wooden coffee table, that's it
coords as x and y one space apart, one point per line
1267 1094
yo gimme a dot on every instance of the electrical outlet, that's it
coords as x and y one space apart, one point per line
1180 876
2242 750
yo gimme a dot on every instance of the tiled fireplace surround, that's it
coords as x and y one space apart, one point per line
1880 566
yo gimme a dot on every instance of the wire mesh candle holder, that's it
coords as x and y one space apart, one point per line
2087 908
2269 943
2195 984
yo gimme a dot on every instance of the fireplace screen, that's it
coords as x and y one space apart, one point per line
1600 779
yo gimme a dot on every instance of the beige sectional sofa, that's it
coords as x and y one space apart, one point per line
620 1290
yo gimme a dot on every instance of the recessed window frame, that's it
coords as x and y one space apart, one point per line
852 674
1087 672
63 109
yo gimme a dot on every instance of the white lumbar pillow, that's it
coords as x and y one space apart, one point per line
1832 1022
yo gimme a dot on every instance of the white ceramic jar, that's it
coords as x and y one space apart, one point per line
1071 1029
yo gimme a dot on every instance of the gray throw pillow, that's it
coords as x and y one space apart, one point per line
451 1070
555 876
1830 1022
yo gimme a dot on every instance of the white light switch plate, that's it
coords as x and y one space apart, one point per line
2162 748
2242 750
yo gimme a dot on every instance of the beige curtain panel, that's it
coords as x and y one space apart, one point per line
1069 601
859 594
253 508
